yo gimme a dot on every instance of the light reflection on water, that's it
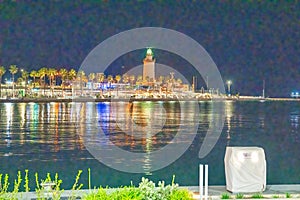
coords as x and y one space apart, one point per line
44 137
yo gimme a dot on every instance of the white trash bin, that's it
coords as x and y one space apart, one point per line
245 169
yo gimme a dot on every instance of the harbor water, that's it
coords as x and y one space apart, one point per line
51 137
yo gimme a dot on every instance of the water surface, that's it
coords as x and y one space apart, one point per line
47 137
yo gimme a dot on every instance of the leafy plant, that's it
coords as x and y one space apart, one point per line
4 185
97 194
17 182
145 191
276 196
49 187
182 194
37 181
76 186
127 193
239 196
56 193
89 177
257 196
225 196
26 184
148 189
4 194
288 195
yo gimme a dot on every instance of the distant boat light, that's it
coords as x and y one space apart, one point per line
295 94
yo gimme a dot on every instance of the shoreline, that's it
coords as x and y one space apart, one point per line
90 99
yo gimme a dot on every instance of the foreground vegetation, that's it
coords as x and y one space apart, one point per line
50 188
257 196
145 191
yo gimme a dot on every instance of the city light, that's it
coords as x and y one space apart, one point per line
229 83
295 94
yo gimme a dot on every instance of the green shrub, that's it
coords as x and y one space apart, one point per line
50 187
127 193
239 196
150 192
257 196
96 194
181 194
146 191
225 196
55 190
288 195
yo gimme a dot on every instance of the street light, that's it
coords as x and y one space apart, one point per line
229 82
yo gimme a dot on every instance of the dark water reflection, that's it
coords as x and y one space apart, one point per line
46 138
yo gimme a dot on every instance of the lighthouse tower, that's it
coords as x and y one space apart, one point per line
149 67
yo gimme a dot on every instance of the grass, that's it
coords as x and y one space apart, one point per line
288 195
239 196
257 196
225 196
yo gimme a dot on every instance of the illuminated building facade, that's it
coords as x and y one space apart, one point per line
149 67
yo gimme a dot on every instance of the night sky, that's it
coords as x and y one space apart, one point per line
250 41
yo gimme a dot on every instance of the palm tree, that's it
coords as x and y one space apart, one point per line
81 77
139 80
2 72
51 72
42 73
179 81
161 79
33 74
125 78
100 79
25 75
118 78
92 78
110 79
64 76
72 76
132 78
13 70
19 81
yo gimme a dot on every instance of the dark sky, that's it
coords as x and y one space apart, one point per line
249 41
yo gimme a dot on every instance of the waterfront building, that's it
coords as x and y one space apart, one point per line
149 67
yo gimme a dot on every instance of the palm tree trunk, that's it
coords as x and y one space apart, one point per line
0 87
25 87
13 82
51 86
34 82
62 88
44 84
81 89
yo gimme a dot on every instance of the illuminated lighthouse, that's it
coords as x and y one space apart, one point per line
149 67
